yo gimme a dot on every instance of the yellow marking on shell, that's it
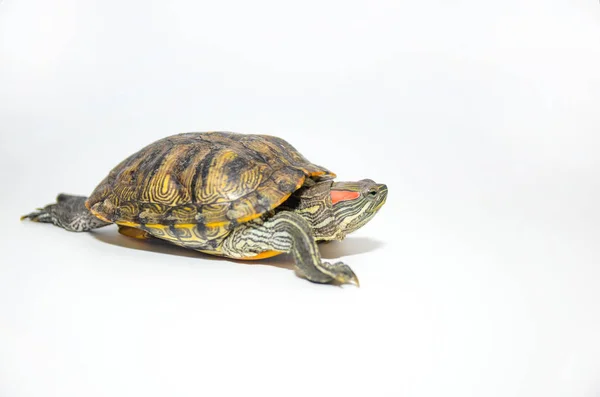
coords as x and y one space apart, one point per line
165 172
195 155
252 216
188 236
157 225
211 233
262 255
184 225
321 173
97 214
184 214
166 182
134 232
123 187
160 186
150 212
218 224
126 223
215 184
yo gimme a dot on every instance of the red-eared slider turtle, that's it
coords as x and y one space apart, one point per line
222 193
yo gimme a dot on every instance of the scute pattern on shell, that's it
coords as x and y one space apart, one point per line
213 179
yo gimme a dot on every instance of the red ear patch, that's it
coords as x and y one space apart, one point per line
343 195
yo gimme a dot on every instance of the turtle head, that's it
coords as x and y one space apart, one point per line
355 203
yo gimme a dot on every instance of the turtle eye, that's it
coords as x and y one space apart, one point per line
372 192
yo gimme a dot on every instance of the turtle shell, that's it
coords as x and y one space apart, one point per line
215 179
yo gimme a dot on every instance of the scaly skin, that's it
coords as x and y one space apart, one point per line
69 212
234 195
309 216
287 232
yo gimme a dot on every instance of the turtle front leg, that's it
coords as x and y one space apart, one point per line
286 232
69 212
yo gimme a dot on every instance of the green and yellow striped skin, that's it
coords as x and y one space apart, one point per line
192 189
239 196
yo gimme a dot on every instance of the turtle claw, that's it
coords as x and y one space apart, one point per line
40 215
354 281
340 272
69 212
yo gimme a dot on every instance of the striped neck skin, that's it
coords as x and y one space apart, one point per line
356 203
334 209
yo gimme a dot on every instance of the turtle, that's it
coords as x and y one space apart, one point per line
241 196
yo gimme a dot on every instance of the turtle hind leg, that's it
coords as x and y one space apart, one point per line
69 212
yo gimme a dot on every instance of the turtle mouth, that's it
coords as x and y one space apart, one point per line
384 193
381 202
378 206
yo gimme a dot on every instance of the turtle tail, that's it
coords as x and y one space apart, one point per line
69 212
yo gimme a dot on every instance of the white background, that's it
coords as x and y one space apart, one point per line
479 277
